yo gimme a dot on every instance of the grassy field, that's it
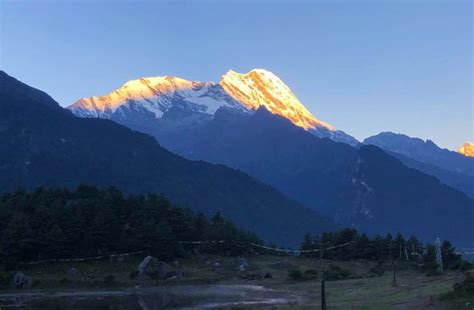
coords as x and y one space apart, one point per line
361 290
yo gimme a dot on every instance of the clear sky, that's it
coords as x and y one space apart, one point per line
364 67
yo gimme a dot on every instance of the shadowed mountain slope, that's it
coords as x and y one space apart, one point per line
42 144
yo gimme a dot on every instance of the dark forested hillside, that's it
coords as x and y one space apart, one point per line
42 144
451 168
457 180
59 223
366 188
409 201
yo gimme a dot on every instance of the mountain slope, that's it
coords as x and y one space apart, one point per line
42 144
423 151
326 176
412 201
462 182
451 168
164 103
366 188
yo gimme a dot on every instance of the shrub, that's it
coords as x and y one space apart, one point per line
377 270
431 269
307 275
310 275
463 265
461 290
334 273
295 274
465 288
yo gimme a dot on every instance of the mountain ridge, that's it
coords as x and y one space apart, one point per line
42 144
363 187
200 100
423 151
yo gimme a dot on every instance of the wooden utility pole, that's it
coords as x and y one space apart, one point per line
323 290
394 279
439 257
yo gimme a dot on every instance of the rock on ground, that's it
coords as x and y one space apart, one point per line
21 280
152 268
242 264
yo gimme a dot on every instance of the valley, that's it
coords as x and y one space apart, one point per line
202 287
203 154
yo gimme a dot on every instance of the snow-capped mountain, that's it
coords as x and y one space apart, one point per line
157 95
467 149
177 102
263 88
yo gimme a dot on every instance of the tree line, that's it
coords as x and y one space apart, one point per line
51 223
383 248
54 223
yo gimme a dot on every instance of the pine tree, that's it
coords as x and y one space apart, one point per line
18 241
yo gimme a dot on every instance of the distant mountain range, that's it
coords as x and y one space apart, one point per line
166 103
250 122
42 144
260 127
452 168
423 151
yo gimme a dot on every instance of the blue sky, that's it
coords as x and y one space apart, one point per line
364 67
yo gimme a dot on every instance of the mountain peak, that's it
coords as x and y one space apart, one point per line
467 149
253 72
191 102
260 87
256 88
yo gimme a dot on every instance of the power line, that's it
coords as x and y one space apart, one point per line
267 247
60 260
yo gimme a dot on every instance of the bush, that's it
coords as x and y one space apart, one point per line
310 275
463 265
431 269
334 273
462 290
295 274
377 270
307 275
465 288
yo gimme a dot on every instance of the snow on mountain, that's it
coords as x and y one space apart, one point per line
467 149
263 88
245 92
157 95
